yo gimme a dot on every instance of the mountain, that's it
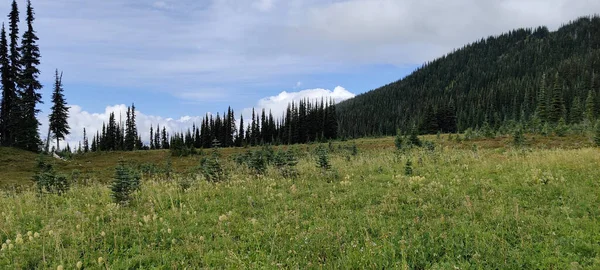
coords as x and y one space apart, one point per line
522 76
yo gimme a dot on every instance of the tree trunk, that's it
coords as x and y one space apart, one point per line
57 145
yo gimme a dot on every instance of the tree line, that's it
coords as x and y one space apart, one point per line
303 121
19 61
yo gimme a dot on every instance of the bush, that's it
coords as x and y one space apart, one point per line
323 159
562 128
285 161
518 137
408 170
46 179
597 134
125 182
211 167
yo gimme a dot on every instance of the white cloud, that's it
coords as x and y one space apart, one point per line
278 104
92 122
187 45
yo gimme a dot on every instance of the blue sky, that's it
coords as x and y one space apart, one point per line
180 59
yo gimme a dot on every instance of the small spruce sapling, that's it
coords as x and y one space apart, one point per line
125 182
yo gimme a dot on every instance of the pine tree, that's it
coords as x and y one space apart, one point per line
590 108
556 109
9 94
29 138
240 136
541 110
60 113
86 145
165 139
11 70
576 114
151 138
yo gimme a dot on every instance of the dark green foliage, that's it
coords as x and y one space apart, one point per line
178 148
8 105
590 107
28 134
518 136
561 128
576 114
399 140
131 135
125 182
60 112
408 170
597 134
285 162
47 180
354 149
211 167
414 138
497 79
323 159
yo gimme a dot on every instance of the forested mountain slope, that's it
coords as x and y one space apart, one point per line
523 75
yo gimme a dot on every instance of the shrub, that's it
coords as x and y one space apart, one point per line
518 137
562 128
597 134
285 161
125 182
47 180
414 137
399 141
408 170
211 167
323 159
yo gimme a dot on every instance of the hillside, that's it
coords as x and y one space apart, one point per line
497 79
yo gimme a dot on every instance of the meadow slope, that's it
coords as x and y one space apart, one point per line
464 207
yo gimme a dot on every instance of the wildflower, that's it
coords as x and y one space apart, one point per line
60 267
10 246
36 234
100 260
19 240
222 217
78 227
8 241
4 246
253 221
30 238
202 238
79 265
102 234
50 232
169 230
29 233
173 241
147 218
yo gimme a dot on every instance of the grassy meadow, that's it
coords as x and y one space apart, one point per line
479 204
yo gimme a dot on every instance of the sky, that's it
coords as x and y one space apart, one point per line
180 59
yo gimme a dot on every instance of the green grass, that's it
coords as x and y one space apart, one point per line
465 207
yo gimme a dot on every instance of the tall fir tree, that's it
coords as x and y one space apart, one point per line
576 113
556 111
541 109
60 112
9 94
590 108
29 138
86 144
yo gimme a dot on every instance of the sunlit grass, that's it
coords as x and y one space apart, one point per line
468 208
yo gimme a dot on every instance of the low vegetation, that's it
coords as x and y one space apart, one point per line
459 204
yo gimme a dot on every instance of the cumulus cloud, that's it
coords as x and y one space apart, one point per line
92 122
278 104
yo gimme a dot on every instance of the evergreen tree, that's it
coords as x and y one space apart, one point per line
86 145
131 136
590 107
151 138
60 113
157 144
541 109
556 109
9 102
165 139
29 138
240 136
576 114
